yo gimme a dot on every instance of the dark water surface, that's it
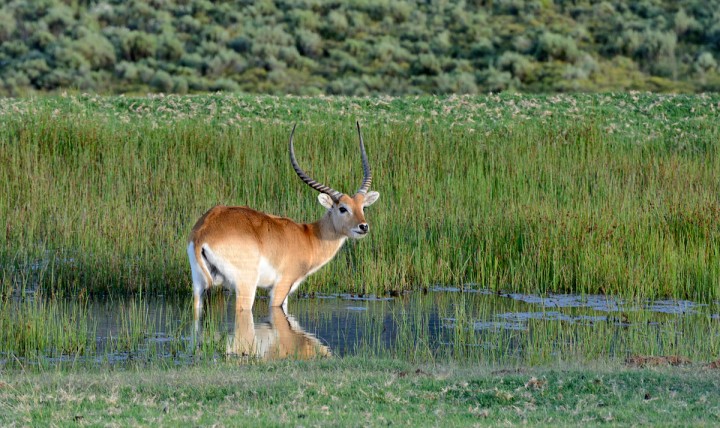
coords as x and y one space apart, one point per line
442 324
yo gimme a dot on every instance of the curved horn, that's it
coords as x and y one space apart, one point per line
304 177
367 174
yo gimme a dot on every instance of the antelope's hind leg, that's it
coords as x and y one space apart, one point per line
245 289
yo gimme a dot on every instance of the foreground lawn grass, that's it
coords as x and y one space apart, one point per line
355 392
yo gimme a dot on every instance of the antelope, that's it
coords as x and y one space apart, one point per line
245 249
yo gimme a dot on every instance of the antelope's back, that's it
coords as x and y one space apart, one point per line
224 226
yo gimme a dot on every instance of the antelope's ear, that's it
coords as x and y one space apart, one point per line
326 200
370 198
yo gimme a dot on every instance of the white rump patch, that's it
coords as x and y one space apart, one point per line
267 274
220 270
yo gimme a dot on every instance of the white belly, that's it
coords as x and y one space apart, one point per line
267 274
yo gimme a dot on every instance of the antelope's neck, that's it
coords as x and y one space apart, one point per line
328 240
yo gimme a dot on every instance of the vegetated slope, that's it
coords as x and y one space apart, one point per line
360 47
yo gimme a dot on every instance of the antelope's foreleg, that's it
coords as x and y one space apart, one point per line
281 291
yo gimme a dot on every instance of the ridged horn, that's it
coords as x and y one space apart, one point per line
367 173
305 178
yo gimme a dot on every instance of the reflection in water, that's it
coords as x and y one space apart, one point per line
276 337
444 324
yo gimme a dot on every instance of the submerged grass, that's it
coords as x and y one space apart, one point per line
614 194
437 328
39 330
486 330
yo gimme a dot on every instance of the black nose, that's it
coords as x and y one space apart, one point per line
364 227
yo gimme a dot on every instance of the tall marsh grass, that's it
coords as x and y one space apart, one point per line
616 194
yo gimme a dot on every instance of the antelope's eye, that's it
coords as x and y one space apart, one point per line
343 210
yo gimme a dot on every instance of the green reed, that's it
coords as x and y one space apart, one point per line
437 327
615 194
35 330
47 331
136 324
473 329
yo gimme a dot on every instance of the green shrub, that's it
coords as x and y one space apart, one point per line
309 43
552 46
7 25
97 50
66 56
35 69
14 48
519 65
180 85
162 81
170 48
224 63
456 83
59 19
15 82
497 80
336 25
126 71
684 23
303 19
137 45
705 63
41 40
223 84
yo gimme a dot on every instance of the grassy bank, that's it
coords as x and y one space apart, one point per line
613 194
352 392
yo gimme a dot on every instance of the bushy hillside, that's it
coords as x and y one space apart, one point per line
358 47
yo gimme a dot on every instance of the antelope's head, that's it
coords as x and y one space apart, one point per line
346 212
